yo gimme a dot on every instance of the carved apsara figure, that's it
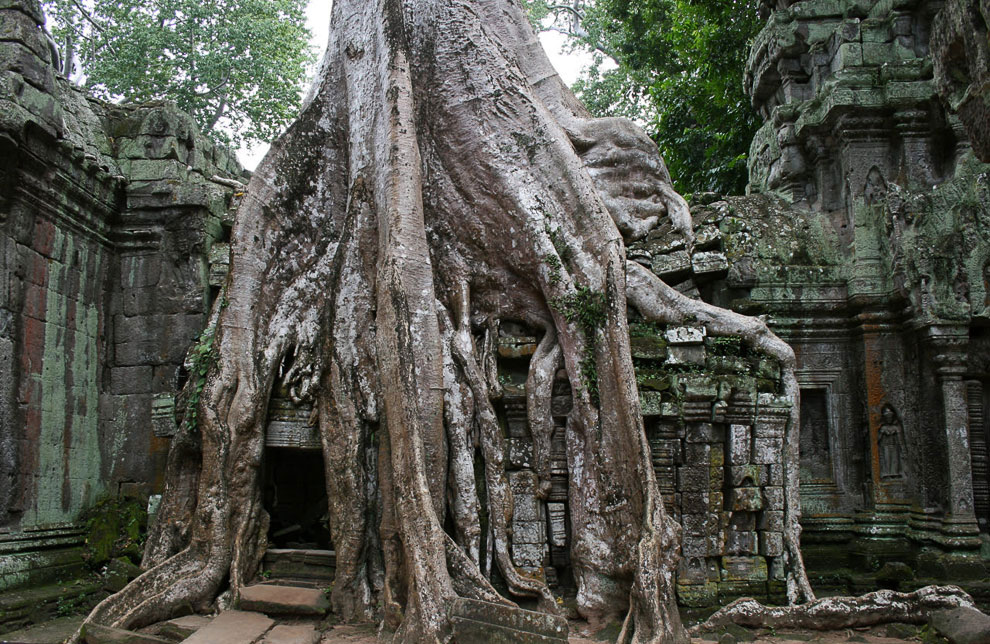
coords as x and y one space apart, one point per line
889 444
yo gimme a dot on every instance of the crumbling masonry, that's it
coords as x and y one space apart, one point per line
864 240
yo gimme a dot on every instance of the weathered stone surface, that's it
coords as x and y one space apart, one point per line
962 625
97 634
180 628
961 60
232 627
119 572
478 622
274 599
292 634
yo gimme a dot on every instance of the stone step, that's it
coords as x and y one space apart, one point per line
232 627
481 622
180 628
276 599
97 634
293 563
292 634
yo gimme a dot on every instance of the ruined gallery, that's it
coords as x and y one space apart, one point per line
396 361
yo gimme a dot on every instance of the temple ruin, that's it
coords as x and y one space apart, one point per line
864 240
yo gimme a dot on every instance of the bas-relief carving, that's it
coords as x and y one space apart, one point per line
890 444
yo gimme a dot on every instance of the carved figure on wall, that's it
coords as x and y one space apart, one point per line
889 443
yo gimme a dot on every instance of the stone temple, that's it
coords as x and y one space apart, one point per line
864 238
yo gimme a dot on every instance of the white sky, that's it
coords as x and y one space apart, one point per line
568 65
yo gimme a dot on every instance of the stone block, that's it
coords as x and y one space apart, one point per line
650 403
746 499
119 572
682 335
697 520
849 54
528 555
17 27
692 478
19 58
526 507
561 405
696 453
695 501
710 265
748 475
648 347
528 532
777 569
292 634
157 170
139 301
180 628
704 433
772 520
773 498
770 426
741 542
558 524
233 627
686 355
768 450
775 474
692 570
283 600
963 625
99 634
480 622
520 453
740 447
136 353
163 415
672 264
736 568
694 545
130 380
771 544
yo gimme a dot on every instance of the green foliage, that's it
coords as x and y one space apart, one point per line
586 308
679 74
115 527
235 65
202 357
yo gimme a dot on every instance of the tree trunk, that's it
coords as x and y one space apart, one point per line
440 179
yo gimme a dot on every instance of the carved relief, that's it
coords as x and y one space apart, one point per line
889 440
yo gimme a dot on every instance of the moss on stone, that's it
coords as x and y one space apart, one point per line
115 528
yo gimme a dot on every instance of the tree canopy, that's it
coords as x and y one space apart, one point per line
679 74
236 65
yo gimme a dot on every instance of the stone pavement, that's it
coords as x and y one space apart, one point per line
240 627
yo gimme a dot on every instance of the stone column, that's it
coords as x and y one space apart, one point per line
948 345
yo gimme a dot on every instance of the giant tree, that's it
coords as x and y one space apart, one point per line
440 180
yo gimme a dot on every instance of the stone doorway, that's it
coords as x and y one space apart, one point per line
296 499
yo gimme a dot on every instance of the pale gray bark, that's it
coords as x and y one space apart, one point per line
440 179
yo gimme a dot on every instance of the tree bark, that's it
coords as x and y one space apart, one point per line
440 179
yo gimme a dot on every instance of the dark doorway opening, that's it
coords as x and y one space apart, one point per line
295 496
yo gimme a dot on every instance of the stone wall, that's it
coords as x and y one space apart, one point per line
863 240
865 243
107 218
715 422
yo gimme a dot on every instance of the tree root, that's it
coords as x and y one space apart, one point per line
658 302
832 613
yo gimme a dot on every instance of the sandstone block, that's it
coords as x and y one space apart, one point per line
283 600
232 627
